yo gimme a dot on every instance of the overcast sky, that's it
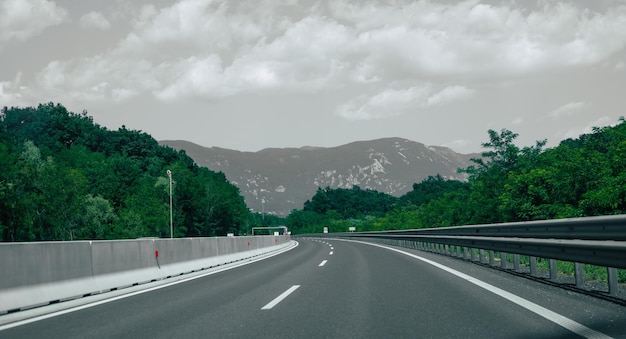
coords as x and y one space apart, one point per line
248 75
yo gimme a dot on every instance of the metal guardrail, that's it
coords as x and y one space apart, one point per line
598 241
611 227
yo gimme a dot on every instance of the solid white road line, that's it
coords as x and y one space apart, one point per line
323 263
280 298
100 302
556 318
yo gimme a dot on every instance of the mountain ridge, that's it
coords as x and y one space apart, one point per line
278 180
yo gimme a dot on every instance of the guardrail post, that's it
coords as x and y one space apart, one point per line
533 266
553 270
465 253
516 265
579 273
473 254
492 259
612 281
481 253
503 262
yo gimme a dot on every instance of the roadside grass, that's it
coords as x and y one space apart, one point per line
591 272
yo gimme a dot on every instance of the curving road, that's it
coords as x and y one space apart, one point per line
340 289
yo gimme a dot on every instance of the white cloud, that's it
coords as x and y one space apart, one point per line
22 19
566 110
121 94
193 77
449 94
479 39
192 27
13 93
53 76
8 96
95 20
388 103
576 132
309 55
394 102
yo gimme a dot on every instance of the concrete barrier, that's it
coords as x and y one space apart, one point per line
34 274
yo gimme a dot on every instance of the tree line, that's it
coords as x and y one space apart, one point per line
580 177
63 177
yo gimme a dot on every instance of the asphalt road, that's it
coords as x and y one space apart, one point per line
339 289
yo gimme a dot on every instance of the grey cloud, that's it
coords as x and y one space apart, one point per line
393 102
22 19
95 20
367 64
468 39
567 109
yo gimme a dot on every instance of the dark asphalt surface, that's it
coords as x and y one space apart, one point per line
361 292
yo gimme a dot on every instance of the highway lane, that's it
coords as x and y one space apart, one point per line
337 289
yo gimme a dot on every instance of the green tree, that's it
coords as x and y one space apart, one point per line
66 178
96 219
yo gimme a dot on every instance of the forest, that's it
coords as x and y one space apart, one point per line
580 177
63 177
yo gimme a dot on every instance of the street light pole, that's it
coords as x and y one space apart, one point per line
169 174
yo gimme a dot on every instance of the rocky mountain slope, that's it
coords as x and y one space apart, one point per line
278 180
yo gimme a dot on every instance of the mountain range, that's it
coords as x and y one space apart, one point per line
278 180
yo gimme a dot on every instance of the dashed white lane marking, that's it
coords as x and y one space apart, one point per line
280 298
556 318
331 253
323 263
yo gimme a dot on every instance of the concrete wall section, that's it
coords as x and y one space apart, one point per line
33 274
46 262
124 255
